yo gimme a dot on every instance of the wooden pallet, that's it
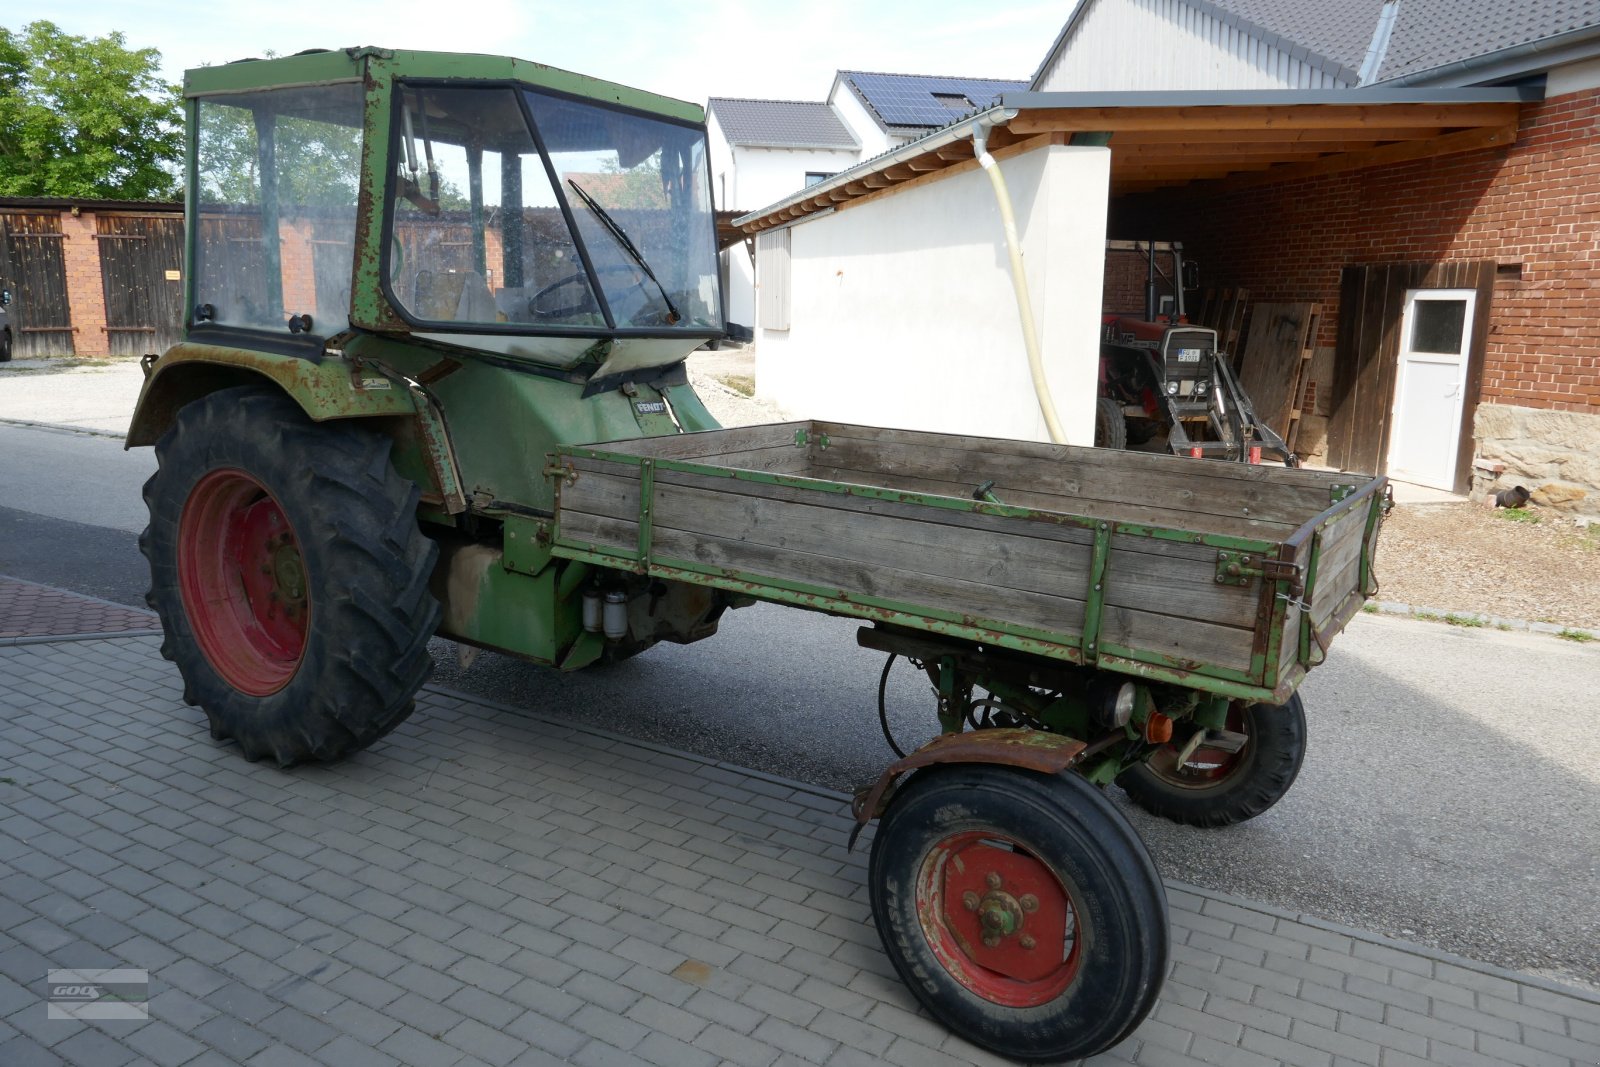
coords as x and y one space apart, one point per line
1277 361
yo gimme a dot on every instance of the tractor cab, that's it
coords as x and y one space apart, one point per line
489 204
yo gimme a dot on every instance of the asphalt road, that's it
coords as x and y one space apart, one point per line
1450 795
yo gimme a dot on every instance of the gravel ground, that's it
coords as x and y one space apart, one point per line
1470 559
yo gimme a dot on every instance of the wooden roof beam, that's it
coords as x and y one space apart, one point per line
1405 152
1275 135
1275 153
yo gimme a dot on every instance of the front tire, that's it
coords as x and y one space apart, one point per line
1220 789
1110 424
1021 909
290 576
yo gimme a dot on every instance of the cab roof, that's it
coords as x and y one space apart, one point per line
330 67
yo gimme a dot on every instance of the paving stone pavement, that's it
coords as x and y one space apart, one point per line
29 611
488 886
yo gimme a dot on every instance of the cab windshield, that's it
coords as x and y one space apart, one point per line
525 212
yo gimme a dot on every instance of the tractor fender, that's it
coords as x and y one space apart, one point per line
333 387
1030 750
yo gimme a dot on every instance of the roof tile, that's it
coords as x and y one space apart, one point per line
781 123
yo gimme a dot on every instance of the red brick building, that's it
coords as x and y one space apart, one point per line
1514 223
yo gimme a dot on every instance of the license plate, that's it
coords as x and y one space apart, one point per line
1189 355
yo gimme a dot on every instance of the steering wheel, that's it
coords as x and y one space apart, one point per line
541 308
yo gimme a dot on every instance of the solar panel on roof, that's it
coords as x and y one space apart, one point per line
910 100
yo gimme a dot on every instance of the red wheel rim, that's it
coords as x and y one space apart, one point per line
243 582
999 920
1206 766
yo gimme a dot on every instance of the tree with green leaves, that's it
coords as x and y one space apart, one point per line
85 117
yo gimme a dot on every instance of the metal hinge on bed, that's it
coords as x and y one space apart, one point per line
1237 568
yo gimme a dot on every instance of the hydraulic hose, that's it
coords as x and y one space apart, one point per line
1019 282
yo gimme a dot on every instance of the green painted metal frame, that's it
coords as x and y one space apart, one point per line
1264 680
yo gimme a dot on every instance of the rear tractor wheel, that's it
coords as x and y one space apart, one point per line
1021 909
290 576
1226 784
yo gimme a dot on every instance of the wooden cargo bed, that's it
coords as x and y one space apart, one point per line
1114 558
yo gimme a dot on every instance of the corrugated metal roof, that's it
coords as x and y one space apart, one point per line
781 123
926 101
1436 33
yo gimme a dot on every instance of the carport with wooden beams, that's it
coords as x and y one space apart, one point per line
1165 139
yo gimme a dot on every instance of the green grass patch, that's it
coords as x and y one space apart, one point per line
1449 618
1516 514
1370 608
743 384
1579 636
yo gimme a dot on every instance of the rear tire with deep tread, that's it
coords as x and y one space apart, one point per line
366 568
1257 778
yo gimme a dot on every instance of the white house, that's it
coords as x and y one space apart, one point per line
761 150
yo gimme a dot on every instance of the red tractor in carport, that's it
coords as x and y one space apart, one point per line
1161 375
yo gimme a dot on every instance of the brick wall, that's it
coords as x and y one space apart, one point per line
1534 206
86 294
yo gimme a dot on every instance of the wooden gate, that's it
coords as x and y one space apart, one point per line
1372 302
34 268
141 263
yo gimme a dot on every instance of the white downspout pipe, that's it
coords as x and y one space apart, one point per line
1019 282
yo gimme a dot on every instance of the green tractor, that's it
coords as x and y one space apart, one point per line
433 382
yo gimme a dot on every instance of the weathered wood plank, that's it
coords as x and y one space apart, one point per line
1273 355
1038 528
1069 454
1332 591
707 443
1184 639
606 494
1197 494
1169 585
1171 518
979 601
997 558
599 530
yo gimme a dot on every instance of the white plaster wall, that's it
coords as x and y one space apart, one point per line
739 279
720 161
1166 44
765 175
903 312
874 139
1572 78
758 177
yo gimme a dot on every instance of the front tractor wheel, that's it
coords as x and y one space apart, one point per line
1021 909
290 576
1220 786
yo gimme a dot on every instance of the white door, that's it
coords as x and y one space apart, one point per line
1425 427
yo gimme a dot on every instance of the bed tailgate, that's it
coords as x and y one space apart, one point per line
1336 552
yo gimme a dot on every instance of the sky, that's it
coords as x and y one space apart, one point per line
757 48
